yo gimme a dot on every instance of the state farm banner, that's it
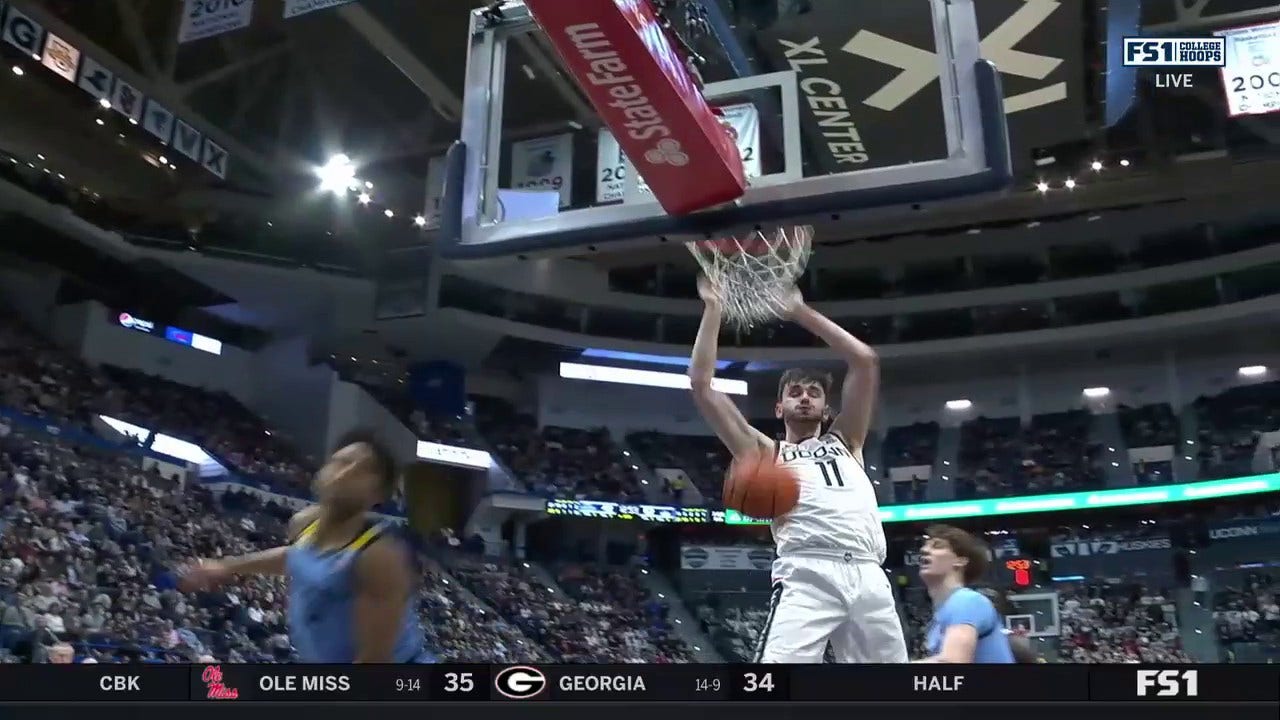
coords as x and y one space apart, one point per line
742 121
870 95
543 164
1103 558
206 18
732 557
639 86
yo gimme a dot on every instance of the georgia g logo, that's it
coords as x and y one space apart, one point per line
520 682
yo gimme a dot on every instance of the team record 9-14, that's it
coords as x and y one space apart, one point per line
639 683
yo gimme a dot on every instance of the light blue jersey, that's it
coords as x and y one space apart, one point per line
970 607
322 602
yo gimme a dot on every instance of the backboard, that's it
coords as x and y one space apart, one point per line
538 171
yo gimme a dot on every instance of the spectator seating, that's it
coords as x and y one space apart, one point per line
1230 425
1117 624
1247 615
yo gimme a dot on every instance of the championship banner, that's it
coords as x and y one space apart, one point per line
730 557
1112 558
743 122
869 85
544 164
294 8
206 18
1251 77
435 192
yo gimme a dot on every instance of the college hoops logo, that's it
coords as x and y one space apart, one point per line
520 682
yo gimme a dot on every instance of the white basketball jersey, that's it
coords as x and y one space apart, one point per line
837 510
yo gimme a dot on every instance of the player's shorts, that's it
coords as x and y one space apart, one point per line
816 600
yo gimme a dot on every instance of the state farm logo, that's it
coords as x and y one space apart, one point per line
667 152
520 682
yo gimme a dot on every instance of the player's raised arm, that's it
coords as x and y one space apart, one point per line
208 574
717 409
861 382
384 588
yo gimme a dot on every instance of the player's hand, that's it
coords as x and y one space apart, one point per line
708 293
203 575
793 303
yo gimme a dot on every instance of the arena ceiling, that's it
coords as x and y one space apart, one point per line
379 80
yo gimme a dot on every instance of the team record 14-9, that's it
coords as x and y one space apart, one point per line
638 683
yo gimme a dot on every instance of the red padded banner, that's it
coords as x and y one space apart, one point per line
638 84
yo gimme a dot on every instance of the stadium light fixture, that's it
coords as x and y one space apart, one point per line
1252 371
1042 186
364 198
163 160
419 221
389 213
337 174
17 70
1096 165
104 103
1070 184
958 405
1124 163
1097 392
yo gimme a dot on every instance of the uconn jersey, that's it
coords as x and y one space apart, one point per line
828 586
837 510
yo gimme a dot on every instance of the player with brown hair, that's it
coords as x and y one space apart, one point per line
966 627
828 584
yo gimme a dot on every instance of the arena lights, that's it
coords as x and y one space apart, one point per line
1097 392
104 103
364 198
337 175
419 221
1096 166
17 70
1252 371
1070 184
958 405
389 213
645 378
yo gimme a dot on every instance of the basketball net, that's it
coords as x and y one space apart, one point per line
755 274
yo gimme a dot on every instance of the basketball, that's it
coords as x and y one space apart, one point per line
760 489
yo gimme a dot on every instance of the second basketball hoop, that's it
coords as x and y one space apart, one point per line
754 273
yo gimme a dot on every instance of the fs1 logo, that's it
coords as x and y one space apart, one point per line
1175 52
1168 683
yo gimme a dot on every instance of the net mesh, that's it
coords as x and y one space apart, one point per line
754 274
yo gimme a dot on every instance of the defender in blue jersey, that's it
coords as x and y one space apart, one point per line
966 627
351 581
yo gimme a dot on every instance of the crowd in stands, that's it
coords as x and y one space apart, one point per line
1053 453
1248 614
1230 425
597 615
1102 623
562 462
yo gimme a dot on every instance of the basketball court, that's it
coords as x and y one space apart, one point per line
760 142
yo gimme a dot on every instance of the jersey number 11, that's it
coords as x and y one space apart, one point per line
831 473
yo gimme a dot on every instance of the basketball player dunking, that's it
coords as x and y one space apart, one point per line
828 586
351 583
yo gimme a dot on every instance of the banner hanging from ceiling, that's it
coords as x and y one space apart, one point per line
65 60
208 18
869 90
544 164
